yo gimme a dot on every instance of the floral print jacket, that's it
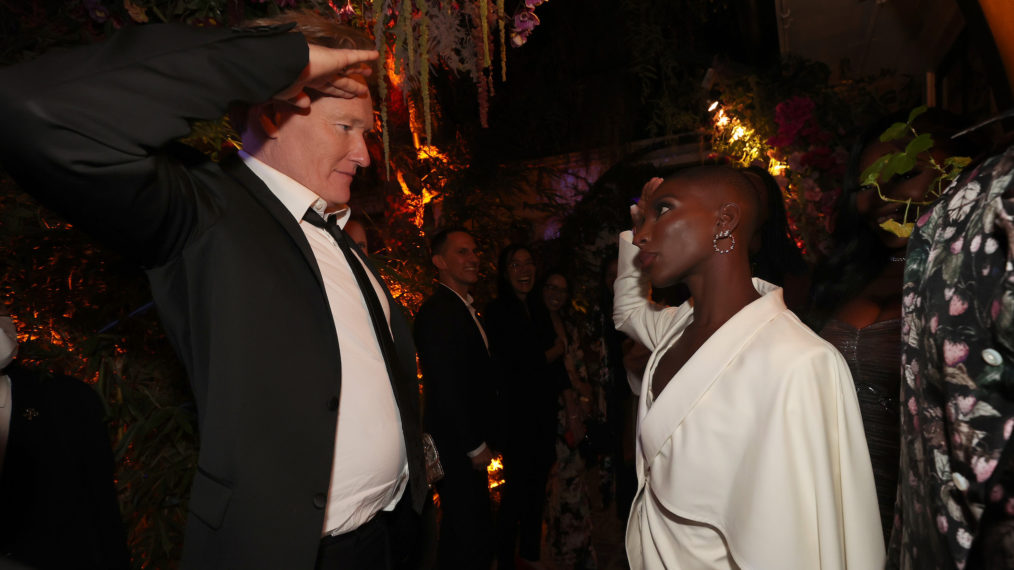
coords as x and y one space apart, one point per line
955 504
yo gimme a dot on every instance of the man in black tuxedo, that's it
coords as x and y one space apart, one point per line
459 377
301 363
56 471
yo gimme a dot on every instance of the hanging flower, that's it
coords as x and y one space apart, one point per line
524 22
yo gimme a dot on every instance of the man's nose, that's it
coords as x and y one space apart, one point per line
360 153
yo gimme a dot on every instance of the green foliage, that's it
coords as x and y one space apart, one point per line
903 161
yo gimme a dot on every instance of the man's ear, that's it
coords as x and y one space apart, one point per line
269 118
439 261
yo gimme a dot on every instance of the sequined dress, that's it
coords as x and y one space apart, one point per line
873 354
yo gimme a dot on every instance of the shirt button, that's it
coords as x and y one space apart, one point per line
332 404
319 500
992 357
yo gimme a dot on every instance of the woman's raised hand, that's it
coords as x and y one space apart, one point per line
636 211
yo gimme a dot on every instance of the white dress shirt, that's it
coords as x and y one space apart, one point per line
370 466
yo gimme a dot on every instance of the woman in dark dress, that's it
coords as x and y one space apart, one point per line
856 298
529 406
568 509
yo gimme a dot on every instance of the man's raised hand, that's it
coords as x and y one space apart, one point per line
332 72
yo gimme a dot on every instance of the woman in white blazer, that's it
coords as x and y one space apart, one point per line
750 443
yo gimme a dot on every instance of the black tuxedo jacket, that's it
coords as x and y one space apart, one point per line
459 377
58 506
235 281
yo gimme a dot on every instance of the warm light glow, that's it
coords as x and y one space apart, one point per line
721 119
739 132
713 106
403 184
494 472
776 168
429 151
416 202
392 70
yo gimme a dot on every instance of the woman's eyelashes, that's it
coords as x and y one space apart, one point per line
661 208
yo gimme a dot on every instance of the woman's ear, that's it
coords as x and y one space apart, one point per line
730 215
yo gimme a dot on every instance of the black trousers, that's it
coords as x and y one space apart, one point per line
389 541
521 506
466 526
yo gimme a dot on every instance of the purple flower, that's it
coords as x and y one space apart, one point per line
96 10
525 21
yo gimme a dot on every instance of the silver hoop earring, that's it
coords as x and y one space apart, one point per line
722 235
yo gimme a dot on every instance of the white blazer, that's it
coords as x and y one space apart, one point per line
753 456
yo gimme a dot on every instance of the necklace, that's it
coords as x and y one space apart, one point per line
897 259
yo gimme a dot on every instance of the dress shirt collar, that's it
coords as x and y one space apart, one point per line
294 196
466 300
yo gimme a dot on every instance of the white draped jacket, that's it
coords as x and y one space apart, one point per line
753 456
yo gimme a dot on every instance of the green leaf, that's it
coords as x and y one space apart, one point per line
915 113
872 173
919 144
899 163
894 132
957 162
900 230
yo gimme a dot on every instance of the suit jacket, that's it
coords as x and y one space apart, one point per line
458 374
58 482
755 450
232 274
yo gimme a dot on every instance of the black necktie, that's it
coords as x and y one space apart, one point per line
403 385
380 326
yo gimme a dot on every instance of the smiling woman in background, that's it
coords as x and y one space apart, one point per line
529 405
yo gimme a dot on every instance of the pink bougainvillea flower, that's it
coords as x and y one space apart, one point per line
955 352
791 115
531 4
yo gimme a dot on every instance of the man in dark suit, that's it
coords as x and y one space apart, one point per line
308 408
458 374
56 470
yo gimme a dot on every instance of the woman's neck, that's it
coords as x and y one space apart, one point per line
719 297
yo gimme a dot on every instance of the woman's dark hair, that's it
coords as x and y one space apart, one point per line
778 254
537 305
857 254
503 282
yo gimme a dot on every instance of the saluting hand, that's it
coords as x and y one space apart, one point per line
636 210
331 72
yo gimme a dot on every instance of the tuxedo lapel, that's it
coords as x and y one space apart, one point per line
235 168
